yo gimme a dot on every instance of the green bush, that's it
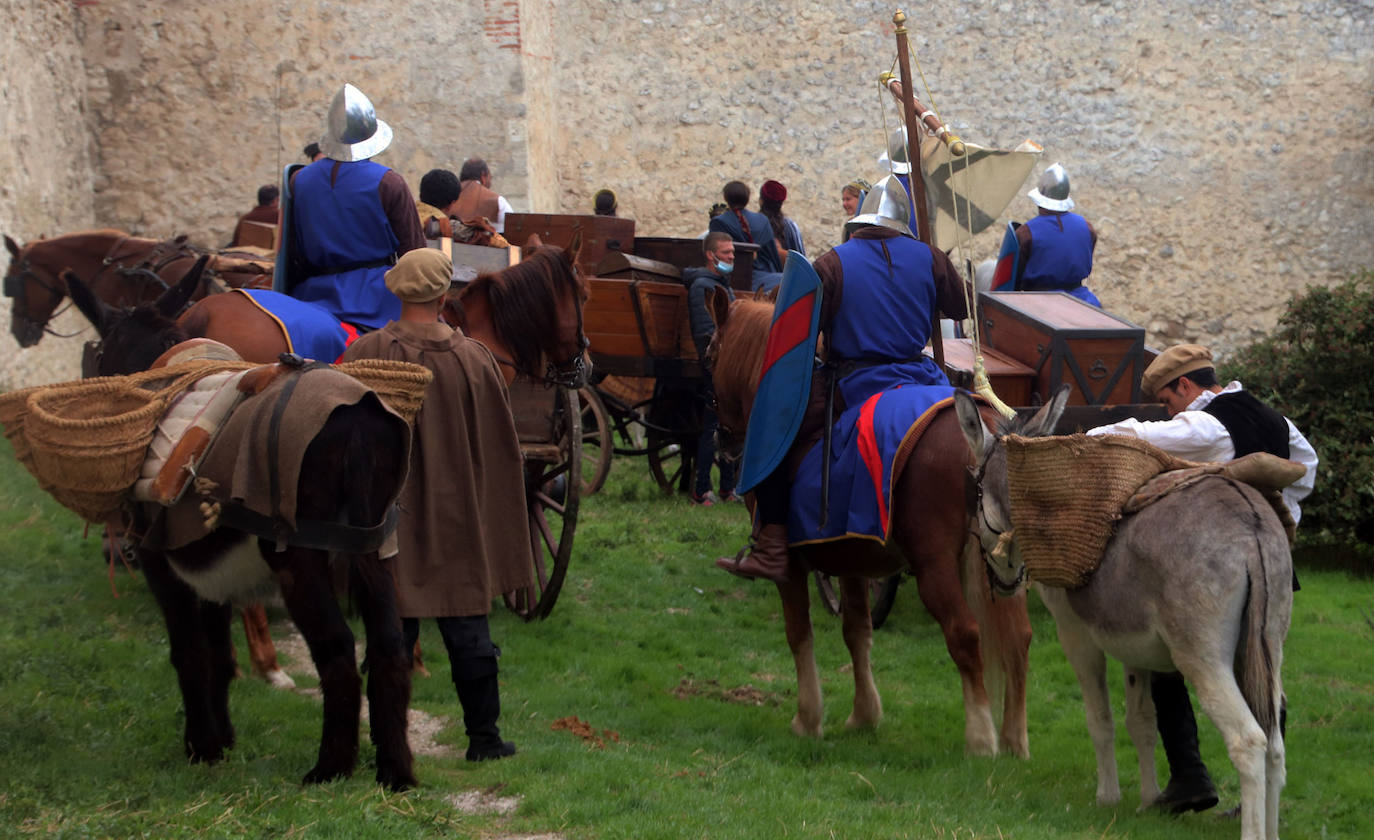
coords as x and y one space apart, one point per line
1318 369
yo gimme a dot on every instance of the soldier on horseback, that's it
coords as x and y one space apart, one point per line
881 291
348 218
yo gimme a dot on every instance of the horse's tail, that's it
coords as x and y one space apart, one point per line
1259 667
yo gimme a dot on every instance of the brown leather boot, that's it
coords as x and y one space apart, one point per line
767 557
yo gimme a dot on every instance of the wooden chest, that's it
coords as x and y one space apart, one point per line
600 234
1011 381
631 267
1066 341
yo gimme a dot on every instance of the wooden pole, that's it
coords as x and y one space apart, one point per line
913 155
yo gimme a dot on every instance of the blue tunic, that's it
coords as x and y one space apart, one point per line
1061 256
885 314
342 233
760 233
310 331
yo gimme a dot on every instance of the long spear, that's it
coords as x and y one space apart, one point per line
913 156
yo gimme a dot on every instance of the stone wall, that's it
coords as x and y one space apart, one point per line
1224 151
45 165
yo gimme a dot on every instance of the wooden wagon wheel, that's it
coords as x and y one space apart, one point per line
597 443
553 487
882 594
673 426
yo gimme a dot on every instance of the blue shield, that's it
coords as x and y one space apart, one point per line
1007 276
785 380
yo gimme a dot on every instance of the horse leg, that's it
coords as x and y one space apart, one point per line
941 592
1090 666
307 588
858 637
198 634
261 652
796 613
1005 635
1141 724
388 671
1220 697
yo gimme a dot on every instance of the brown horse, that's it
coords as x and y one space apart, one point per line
120 269
930 538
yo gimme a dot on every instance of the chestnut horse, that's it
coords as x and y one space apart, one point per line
120 269
930 538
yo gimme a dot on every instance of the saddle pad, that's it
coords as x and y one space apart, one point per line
1267 473
184 434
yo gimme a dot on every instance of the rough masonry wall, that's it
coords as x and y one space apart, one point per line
1225 151
45 169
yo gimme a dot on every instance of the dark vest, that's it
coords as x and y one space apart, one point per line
1252 425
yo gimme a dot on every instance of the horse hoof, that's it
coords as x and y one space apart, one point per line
806 731
318 775
277 678
396 781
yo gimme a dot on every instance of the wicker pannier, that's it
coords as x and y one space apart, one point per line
1066 497
88 441
401 385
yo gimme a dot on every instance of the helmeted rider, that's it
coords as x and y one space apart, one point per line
881 291
1057 245
350 218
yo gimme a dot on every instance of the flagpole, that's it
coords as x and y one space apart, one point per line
915 177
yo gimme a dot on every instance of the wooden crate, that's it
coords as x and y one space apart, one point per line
1011 381
631 267
600 234
1064 340
639 328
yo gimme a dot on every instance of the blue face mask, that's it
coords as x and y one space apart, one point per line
724 267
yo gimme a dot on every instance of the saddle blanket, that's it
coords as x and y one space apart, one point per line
310 331
864 450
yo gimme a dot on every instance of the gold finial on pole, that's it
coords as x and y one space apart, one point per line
899 20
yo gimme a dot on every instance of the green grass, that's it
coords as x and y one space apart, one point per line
653 648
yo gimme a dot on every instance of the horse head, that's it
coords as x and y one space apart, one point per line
990 502
131 339
36 292
734 357
530 316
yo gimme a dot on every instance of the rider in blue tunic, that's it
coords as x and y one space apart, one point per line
1057 245
351 218
880 292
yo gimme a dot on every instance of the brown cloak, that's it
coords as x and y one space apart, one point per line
463 530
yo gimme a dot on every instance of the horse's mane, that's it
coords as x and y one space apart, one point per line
738 360
524 307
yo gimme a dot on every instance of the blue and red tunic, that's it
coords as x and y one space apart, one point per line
343 234
880 328
310 331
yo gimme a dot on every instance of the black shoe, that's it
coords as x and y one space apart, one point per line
500 749
1195 794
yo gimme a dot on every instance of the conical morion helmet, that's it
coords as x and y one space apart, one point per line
352 130
886 205
1052 193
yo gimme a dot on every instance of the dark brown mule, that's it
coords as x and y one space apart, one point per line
120 269
528 315
930 538
355 466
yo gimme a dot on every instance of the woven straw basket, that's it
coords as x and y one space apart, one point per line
14 407
88 441
1066 497
401 385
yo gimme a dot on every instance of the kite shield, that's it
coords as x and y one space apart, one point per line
1007 275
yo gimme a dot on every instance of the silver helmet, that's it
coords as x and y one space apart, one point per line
352 130
895 158
886 205
1052 193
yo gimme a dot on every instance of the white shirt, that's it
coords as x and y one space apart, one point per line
502 208
1195 435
